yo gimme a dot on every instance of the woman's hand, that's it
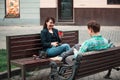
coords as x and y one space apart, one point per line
54 43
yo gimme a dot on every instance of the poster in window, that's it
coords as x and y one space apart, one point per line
12 9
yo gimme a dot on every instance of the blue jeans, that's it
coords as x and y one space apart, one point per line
55 51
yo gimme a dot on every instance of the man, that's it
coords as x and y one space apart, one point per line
95 43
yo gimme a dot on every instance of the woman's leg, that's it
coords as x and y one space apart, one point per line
54 51
65 47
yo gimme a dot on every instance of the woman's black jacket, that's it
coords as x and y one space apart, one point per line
46 38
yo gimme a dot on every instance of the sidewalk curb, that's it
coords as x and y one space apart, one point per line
14 72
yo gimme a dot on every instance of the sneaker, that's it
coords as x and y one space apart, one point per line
75 51
57 58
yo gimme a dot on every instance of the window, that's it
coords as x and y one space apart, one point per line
12 9
113 1
65 10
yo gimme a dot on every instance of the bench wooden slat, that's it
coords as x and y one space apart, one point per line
25 47
25 53
99 54
29 61
96 70
16 43
97 64
109 57
25 37
73 40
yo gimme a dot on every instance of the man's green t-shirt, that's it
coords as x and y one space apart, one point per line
95 43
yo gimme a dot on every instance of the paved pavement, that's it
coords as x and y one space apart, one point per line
44 75
109 32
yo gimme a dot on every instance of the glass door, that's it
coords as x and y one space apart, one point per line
65 10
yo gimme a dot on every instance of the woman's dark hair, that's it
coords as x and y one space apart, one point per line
47 19
94 26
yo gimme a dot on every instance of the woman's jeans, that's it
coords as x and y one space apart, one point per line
55 51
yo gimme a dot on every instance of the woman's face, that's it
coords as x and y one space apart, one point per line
50 24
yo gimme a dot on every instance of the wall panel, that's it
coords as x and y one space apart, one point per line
106 16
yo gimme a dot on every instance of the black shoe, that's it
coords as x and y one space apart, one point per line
107 77
63 60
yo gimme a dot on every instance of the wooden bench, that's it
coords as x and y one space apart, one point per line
21 48
87 64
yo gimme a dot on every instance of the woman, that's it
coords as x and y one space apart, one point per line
51 39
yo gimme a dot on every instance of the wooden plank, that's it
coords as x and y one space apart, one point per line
30 61
25 37
95 64
25 47
20 43
88 56
23 54
98 61
96 70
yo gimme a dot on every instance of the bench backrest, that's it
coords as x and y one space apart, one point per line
94 62
22 46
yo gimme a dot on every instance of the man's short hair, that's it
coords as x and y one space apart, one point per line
94 26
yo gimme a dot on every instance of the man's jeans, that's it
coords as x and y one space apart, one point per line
70 52
55 51
68 56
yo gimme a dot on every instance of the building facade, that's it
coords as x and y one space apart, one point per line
77 12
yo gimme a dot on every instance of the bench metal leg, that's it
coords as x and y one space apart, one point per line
23 73
9 72
107 76
117 68
54 72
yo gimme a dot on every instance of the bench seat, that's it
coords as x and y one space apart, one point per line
28 62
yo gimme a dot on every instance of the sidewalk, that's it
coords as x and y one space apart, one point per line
109 32
44 75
